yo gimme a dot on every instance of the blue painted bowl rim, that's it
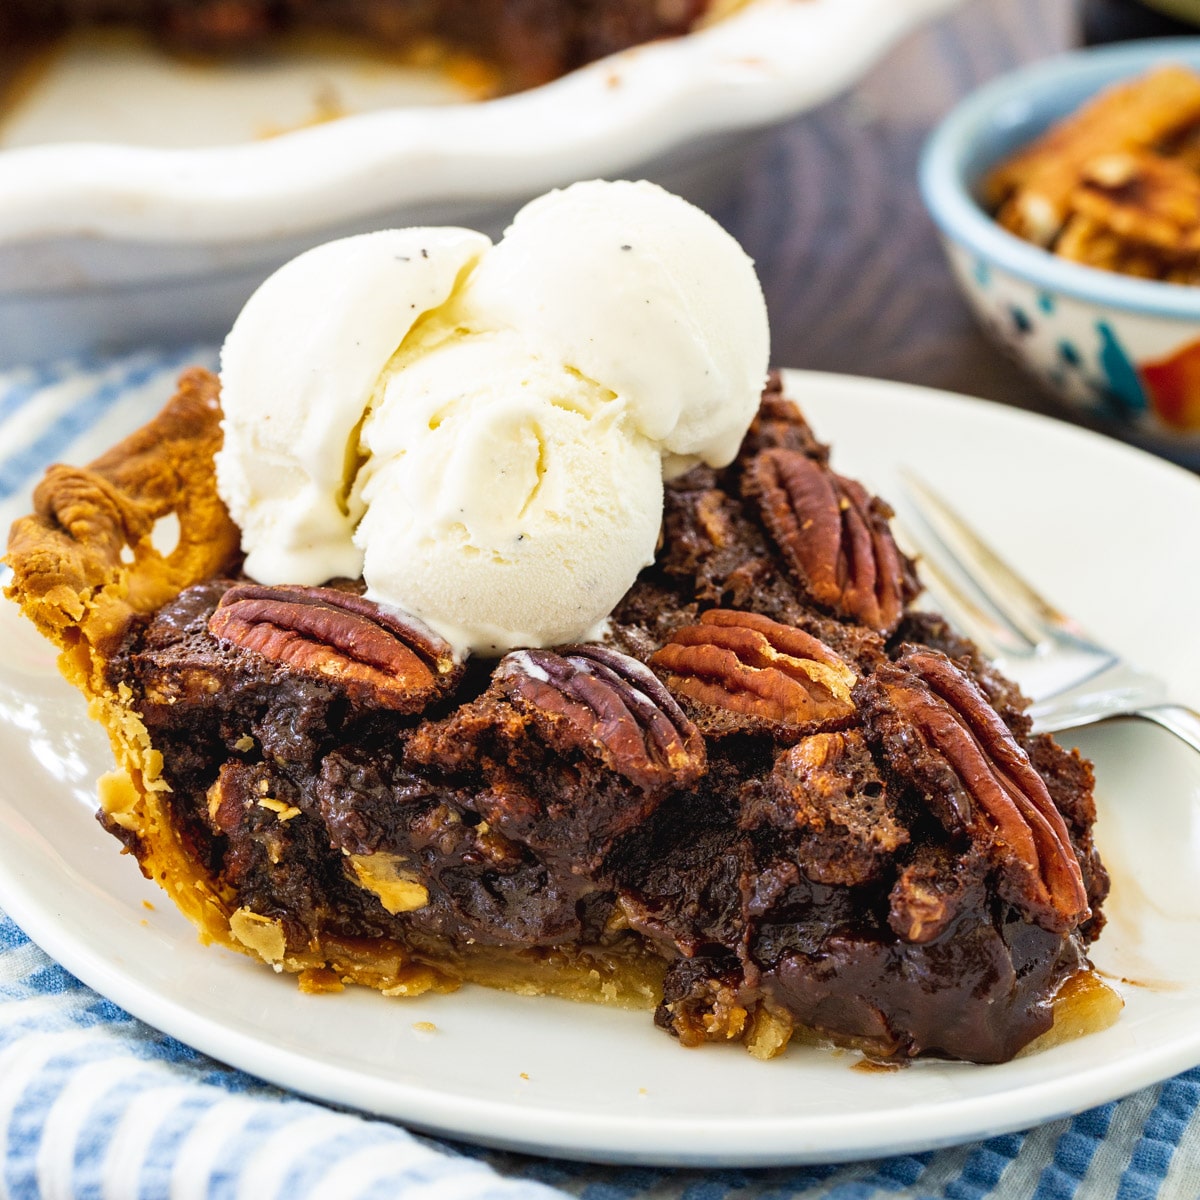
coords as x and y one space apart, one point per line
947 192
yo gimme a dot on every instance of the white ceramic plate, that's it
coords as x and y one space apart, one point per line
1108 531
141 202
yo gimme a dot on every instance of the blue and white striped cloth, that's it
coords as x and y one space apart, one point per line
95 1105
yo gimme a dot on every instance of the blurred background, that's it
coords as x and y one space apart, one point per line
855 278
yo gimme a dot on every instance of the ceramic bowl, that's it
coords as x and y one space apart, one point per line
148 210
1113 347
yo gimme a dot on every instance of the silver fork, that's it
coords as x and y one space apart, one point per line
1071 678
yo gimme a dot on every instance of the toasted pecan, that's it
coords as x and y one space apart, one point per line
84 562
945 735
602 701
381 657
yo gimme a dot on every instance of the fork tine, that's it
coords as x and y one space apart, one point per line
997 639
1013 598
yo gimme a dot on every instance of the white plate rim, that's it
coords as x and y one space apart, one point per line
755 67
725 1140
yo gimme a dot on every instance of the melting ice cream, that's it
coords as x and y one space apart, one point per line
481 431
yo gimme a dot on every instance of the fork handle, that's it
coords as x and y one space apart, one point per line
1183 722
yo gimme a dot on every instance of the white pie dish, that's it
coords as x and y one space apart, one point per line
112 240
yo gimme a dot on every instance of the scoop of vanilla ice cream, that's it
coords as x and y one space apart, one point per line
481 431
508 500
298 370
638 289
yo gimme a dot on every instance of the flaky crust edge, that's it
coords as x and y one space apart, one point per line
85 567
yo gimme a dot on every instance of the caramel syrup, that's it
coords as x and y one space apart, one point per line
872 1066
1083 1004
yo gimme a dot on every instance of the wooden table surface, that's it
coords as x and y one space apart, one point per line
854 275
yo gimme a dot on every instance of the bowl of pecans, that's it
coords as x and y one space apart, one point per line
1068 199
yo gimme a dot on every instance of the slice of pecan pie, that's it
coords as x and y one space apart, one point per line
773 798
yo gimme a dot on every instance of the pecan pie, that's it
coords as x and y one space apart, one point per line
773 798
528 41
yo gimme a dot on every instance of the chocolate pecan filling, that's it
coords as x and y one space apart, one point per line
759 803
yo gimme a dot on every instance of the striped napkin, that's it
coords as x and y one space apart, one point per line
96 1105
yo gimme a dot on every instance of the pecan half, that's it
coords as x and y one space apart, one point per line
702 1001
381 657
834 537
605 703
985 783
761 672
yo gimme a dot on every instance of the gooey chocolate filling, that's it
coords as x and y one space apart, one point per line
819 852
